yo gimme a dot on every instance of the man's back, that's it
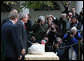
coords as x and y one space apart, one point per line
10 41
22 33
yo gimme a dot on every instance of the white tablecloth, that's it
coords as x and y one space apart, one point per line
45 56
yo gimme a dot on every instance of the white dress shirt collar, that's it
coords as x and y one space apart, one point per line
11 21
22 22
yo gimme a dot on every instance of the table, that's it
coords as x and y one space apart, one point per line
46 56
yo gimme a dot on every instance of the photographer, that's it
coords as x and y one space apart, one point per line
63 20
40 28
52 19
75 22
52 34
57 50
73 36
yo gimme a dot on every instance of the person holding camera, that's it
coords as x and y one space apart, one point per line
73 36
40 28
52 34
52 19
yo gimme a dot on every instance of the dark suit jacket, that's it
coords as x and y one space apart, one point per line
4 20
28 26
10 41
23 35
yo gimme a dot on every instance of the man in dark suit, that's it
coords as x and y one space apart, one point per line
22 32
10 41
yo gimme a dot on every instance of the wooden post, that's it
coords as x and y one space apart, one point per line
79 50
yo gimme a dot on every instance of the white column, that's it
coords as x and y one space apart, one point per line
79 6
25 10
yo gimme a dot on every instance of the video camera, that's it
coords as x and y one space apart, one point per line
52 28
69 32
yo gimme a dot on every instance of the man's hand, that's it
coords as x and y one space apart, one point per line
23 51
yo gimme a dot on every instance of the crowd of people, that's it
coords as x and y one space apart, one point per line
18 33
